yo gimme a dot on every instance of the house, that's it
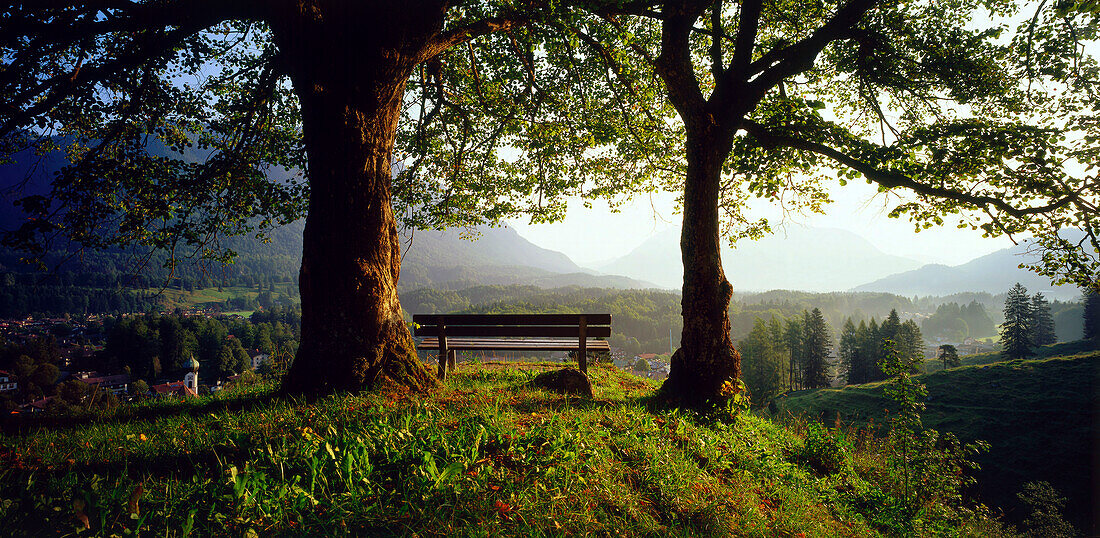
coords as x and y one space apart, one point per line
115 384
258 358
36 406
174 389
7 381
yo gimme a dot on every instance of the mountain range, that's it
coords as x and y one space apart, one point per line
994 273
800 258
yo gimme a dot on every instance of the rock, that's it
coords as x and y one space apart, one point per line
568 381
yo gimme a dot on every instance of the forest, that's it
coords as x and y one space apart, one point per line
150 348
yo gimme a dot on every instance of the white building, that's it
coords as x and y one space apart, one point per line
7 382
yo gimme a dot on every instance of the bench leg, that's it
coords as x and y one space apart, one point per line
451 360
442 371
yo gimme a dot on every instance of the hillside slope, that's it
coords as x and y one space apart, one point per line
1040 417
484 455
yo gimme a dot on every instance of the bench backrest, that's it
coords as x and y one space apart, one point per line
529 325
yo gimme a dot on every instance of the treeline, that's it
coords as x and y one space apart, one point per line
155 346
642 319
44 300
1028 323
957 323
835 307
797 353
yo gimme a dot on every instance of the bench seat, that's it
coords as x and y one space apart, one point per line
448 333
500 344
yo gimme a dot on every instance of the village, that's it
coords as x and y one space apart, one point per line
78 344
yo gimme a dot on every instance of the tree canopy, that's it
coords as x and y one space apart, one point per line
438 114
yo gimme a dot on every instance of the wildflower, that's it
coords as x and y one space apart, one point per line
143 437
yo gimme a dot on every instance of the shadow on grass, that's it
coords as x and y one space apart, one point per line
30 423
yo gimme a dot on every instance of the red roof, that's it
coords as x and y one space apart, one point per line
175 388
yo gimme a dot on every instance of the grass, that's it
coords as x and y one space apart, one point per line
1053 350
482 456
1040 417
199 298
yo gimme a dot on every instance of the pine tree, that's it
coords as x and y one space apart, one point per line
1042 322
761 363
817 345
793 339
848 350
1092 315
911 343
1016 330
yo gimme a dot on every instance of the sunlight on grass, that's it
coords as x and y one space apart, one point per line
483 456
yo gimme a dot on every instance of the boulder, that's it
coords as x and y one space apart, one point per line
569 381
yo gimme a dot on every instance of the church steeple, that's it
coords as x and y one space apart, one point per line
191 380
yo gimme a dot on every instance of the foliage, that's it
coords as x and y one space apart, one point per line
956 323
1016 330
1033 413
940 462
949 356
154 346
1045 507
763 361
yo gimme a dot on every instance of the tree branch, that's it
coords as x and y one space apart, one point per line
674 63
748 25
892 179
800 56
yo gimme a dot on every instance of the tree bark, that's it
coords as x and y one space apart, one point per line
350 81
706 358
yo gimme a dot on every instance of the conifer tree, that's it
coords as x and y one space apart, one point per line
1016 330
864 361
761 363
911 343
817 345
793 338
1042 322
1092 315
848 349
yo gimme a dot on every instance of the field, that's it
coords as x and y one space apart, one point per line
200 298
484 455
1040 417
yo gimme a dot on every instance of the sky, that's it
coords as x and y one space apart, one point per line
592 237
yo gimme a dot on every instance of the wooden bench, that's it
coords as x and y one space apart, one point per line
512 332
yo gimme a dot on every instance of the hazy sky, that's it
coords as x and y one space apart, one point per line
593 236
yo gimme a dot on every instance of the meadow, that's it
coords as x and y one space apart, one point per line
1039 416
484 455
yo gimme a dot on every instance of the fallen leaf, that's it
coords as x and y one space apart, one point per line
133 504
78 513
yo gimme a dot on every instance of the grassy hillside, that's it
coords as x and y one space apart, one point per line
1043 352
482 456
1040 417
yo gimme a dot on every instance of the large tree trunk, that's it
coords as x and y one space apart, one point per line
706 358
350 81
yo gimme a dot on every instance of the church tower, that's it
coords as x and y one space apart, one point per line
191 380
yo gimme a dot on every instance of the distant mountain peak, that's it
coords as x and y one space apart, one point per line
795 257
